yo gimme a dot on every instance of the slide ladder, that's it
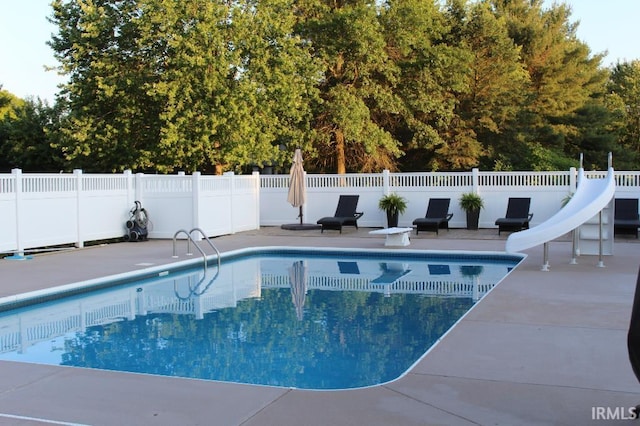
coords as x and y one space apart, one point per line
595 236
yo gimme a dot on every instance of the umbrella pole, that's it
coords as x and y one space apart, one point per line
300 215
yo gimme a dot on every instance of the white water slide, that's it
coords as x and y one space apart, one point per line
591 196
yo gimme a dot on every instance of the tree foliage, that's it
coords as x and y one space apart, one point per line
563 78
359 85
624 100
356 85
27 128
165 85
429 81
346 339
497 84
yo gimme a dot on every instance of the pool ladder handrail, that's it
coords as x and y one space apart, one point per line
191 240
195 291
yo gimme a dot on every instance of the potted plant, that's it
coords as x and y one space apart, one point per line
471 203
394 205
566 199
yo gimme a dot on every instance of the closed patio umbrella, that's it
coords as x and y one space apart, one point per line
297 188
297 195
298 281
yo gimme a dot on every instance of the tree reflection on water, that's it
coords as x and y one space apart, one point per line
345 340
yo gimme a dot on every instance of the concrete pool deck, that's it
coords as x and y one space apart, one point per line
541 348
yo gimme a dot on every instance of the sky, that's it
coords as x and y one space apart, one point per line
604 25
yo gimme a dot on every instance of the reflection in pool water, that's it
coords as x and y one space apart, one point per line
294 320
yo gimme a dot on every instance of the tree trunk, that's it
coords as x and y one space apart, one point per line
341 162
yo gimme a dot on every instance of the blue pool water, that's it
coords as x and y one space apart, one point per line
292 318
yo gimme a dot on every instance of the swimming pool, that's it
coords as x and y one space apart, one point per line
312 319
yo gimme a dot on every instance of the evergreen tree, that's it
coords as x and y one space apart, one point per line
563 75
596 137
497 83
624 101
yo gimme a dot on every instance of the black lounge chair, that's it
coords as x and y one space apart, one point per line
345 215
517 217
633 336
437 216
626 219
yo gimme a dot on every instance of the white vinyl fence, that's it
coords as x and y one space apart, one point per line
38 210
546 190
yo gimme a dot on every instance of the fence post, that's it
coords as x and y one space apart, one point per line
139 190
232 191
195 202
573 184
475 180
131 197
77 173
17 177
386 185
256 196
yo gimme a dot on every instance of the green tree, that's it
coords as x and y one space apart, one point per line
596 137
5 100
9 103
275 85
360 85
355 87
428 83
165 85
624 100
25 127
112 122
497 82
563 75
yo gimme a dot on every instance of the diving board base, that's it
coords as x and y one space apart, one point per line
395 237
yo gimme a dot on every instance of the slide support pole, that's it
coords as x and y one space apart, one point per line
574 235
545 260
600 260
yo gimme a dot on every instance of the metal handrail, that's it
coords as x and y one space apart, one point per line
196 291
208 240
191 240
